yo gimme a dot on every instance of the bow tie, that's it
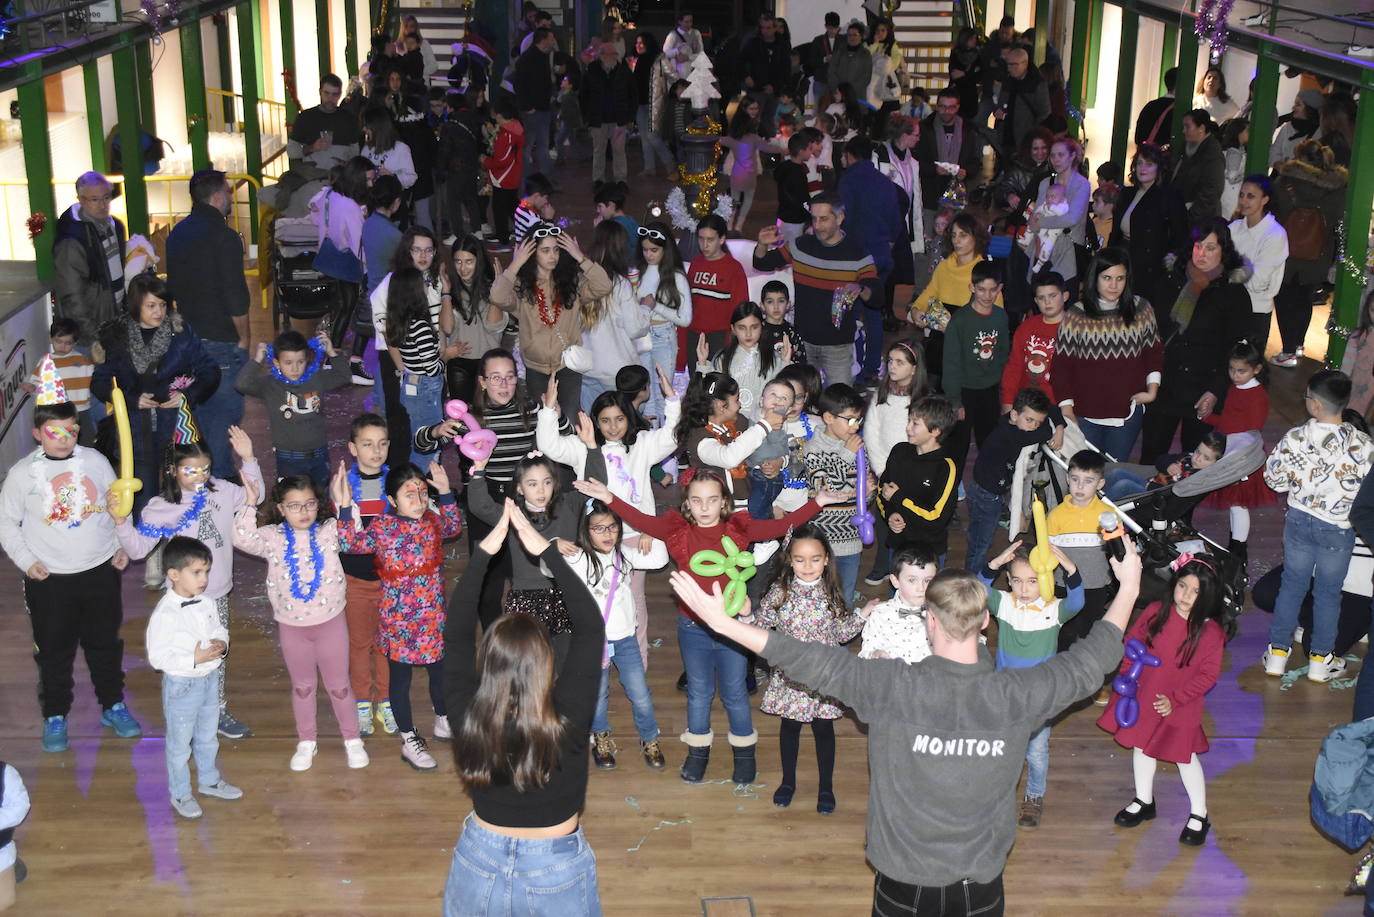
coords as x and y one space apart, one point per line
908 612
190 602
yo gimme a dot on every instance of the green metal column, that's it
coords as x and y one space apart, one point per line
226 64
1187 77
288 50
1123 115
193 79
323 41
1262 113
1008 9
95 117
143 57
1042 30
1094 50
1078 57
1169 58
1360 191
126 103
33 119
252 134
350 38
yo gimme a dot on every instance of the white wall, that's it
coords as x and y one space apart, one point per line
806 18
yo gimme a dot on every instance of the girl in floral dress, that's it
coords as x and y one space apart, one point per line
806 601
409 546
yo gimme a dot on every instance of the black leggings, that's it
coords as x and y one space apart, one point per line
400 691
789 742
342 318
1293 306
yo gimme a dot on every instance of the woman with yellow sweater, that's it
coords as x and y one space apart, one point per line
949 289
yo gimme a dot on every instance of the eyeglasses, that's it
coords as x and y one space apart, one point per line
500 378
102 199
416 250
852 421
652 234
544 231
309 506
607 529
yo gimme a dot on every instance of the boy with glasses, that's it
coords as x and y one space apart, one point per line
831 458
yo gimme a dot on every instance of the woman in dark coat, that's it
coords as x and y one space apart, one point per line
1311 181
966 71
159 363
1200 175
1151 220
1205 311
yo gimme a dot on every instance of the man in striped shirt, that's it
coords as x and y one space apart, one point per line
831 274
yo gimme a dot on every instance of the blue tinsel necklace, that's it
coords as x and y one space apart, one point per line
355 481
191 514
293 566
310 370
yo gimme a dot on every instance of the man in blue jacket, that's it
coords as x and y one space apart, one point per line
873 211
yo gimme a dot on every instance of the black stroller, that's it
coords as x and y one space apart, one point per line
301 292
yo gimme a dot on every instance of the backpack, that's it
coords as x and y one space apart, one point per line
1306 228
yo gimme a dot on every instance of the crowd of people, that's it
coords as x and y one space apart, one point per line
1133 317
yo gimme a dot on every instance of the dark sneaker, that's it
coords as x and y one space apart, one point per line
1032 807
231 728
121 721
359 373
603 750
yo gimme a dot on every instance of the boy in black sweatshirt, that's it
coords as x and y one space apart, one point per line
793 193
996 465
917 492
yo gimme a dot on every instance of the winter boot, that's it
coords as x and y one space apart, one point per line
746 768
698 756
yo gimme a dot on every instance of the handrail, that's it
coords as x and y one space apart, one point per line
172 214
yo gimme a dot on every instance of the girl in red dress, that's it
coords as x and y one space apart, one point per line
1187 635
1247 408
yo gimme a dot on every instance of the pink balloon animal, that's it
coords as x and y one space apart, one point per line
476 443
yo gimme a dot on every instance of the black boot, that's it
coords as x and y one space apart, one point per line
694 768
746 768
682 682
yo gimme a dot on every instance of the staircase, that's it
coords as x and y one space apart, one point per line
924 30
442 24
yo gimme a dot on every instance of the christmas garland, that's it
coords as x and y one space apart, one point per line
310 370
1211 25
293 565
159 531
355 482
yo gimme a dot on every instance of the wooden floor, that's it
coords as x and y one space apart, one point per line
102 839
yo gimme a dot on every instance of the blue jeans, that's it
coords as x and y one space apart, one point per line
663 356
224 408
1038 761
521 876
762 492
314 463
1312 549
847 566
191 708
984 509
650 142
421 397
1124 484
630 665
537 125
593 387
711 661
1118 442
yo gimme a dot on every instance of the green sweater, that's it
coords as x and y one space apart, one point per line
976 350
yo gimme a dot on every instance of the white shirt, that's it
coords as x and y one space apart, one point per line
1264 247
177 628
617 607
12 813
896 631
54 512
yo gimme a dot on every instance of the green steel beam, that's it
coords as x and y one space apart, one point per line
324 43
126 103
1008 9
95 116
1169 55
287 14
1123 113
1042 30
1187 77
1262 113
1094 48
193 80
1360 191
143 61
350 38
252 134
33 118
496 14
226 64
1078 57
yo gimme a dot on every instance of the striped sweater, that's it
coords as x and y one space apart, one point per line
817 271
1099 363
515 437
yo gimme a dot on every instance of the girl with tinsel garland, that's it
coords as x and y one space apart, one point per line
305 586
194 504
408 543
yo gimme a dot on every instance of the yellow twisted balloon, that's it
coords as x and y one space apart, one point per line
735 565
126 485
1042 559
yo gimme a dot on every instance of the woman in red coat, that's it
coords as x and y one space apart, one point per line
1187 636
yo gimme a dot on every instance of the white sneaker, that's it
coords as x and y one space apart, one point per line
1257 19
1287 360
188 807
1322 669
304 756
222 790
357 755
1275 660
415 752
442 732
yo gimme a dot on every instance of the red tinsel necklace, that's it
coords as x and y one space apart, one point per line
542 302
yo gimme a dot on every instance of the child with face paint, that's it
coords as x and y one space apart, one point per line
409 546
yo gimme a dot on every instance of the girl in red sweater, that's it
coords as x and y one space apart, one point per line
707 516
1247 408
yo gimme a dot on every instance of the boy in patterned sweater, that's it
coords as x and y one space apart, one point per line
1320 465
831 458
1027 634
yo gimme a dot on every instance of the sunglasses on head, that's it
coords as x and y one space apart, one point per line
543 231
652 234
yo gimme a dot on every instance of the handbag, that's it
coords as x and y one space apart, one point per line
1306 228
575 357
338 263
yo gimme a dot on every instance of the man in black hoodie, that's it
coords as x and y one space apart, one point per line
766 63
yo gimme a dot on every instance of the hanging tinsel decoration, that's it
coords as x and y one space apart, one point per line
706 179
1211 25
1347 265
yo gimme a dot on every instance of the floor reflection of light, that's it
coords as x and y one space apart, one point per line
150 785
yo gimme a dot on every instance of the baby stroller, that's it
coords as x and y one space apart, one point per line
1157 520
301 291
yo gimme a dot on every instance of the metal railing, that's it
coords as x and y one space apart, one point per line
225 114
172 191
